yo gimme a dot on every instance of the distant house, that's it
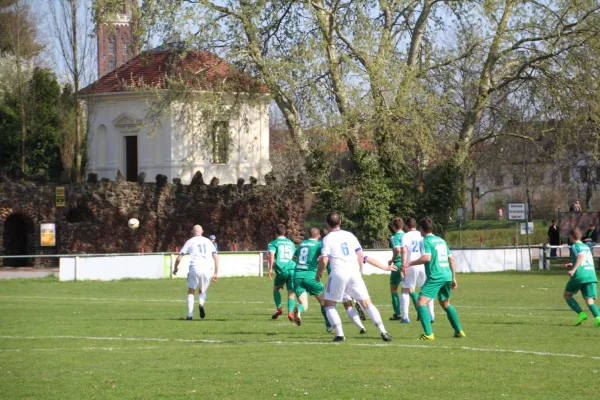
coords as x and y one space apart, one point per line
229 140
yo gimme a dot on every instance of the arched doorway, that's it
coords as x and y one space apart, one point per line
18 229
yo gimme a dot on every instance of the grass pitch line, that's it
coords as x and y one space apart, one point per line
247 302
280 342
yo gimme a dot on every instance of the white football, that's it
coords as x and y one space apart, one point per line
133 223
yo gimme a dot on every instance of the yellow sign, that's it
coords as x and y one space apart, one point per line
60 196
48 235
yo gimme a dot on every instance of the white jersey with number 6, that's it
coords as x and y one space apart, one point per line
412 240
341 247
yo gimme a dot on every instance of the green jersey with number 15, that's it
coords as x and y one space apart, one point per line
307 258
438 268
283 248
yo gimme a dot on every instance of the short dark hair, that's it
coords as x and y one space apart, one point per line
426 225
314 232
576 233
553 221
280 229
324 232
411 223
397 223
333 220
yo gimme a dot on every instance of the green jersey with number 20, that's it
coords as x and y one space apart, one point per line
586 272
438 268
283 248
307 258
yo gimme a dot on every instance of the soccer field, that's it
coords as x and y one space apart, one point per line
128 340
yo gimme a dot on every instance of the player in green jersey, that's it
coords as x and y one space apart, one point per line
396 276
280 253
583 277
440 270
305 282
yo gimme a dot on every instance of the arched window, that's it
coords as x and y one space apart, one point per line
101 145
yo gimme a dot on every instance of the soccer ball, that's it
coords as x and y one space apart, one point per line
133 223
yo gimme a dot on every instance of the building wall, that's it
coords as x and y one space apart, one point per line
173 148
120 29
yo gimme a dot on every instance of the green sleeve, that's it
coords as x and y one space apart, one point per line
297 252
272 248
427 249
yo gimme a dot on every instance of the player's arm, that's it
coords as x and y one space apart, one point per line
404 252
216 274
271 262
452 262
323 261
177 261
397 251
578 262
375 263
360 257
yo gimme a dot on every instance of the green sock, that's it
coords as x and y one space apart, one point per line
574 305
396 303
300 308
425 319
290 304
414 296
594 309
324 313
453 318
277 298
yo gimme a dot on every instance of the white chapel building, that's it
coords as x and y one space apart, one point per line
173 112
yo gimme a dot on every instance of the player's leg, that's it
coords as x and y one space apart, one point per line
571 289
321 300
353 315
192 284
334 292
289 283
358 290
395 280
278 283
302 304
408 291
589 291
205 280
429 291
421 278
444 298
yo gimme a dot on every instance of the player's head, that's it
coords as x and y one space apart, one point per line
426 226
197 230
212 238
397 224
592 225
333 220
324 232
314 233
576 234
280 229
553 222
411 224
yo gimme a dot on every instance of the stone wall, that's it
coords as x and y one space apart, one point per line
96 214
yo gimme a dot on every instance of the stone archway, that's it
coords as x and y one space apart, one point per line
17 237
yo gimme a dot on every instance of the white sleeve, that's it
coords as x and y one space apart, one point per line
404 242
186 248
325 250
356 245
212 248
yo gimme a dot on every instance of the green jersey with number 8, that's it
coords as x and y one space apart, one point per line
307 258
283 248
438 268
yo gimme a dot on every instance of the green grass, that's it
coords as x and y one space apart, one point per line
494 233
123 340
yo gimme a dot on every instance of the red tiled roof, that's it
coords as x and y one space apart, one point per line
150 70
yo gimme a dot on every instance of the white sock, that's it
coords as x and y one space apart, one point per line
201 298
334 320
431 312
404 303
190 302
354 317
376 317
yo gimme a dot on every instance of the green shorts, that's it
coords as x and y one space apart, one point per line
309 285
286 278
588 290
396 277
435 288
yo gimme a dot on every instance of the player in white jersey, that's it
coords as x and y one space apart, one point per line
342 250
204 268
411 250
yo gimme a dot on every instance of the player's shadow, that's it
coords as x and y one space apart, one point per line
196 319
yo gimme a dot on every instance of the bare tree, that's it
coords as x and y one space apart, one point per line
71 25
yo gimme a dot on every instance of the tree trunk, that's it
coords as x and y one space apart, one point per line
78 148
474 198
20 84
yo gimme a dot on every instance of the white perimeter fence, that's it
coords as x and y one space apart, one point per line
106 267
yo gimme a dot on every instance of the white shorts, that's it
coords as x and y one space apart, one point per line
347 285
200 279
346 298
414 276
